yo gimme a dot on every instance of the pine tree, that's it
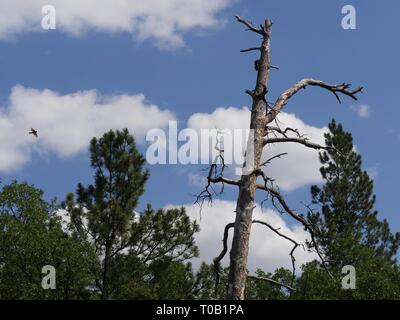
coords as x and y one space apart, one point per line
136 250
348 218
106 208
349 230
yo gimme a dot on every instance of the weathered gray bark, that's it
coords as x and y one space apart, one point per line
261 117
248 183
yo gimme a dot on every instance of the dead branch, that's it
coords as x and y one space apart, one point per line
343 88
250 49
251 27
217 260
223 180
299 218
273 158
295 140
271 281
295 245
214 177
283 132
206 194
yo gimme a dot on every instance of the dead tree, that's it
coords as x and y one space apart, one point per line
266 132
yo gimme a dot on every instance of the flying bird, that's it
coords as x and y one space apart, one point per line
34 132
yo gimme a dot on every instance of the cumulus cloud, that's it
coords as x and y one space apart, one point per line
66 123
162 20
363 110
267 250
299 168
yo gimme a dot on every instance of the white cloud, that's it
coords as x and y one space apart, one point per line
162 20
267 250
299 168
363 110
221 118
196 179
66 123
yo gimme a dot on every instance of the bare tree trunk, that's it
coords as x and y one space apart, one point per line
248 183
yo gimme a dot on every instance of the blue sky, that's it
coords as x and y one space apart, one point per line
207 72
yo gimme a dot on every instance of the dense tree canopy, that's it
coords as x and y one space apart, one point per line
31 237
